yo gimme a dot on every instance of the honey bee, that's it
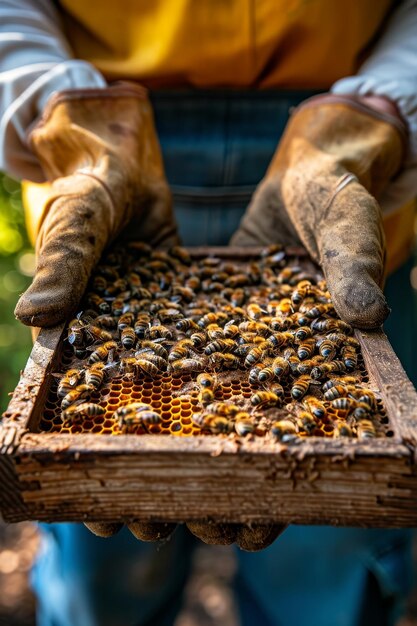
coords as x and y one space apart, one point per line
106 321
361 411
101 353
254 311
280 367
344 404
254 374
76 332
301 387
243 424
99 284
238 280
94 375
181 350
223 408
198 339
117 306
220 345
142 325
184 366
224 360
365 429
254 356
277 340
285 430
301 291
160 332
128 337
254 327
318 310
79 392
87 409
207 381
280 324
97 302
350 358
367 396
116 287
68 382
147 367
125 320
303 333
342 429
328 324
180 253
136 414
286 274
214 331
206 396
327 369
316 408
342 380
306 421
266 374
306 349
186 324
305 367
327 349
212 318
231 331
158 361
336 391
216 424
263 399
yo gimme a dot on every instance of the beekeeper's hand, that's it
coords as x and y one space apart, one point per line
99 149
335 158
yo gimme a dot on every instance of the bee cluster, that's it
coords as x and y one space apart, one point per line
250 347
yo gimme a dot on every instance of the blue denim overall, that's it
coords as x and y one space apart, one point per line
216 148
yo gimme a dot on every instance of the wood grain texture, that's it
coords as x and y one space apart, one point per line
57 477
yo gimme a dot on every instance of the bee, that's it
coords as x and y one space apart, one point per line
306 349
198 339
254 374
367 396
231 331
206 396
305 367
306 421
326 369
68 382
336 391
287 273
160 362
126 320
94 375
328 324
186 324
142 325
277 340
223 408
107 321
117 306
79 392
254 356
361 411
156 347
220 345
342 429
134 280
301 291
160 332
266 374
301 387
207 381
263 399
318 310
280 367
147 367
181 350
303 333
243 424
238 280
216 424
128 337
342 380
344 404
116 287
97 302
212 318
327 349
350 358
135 414
278 324
365 429
224 360
214 331
183 294
87 409
284 430
184 366
254 311
193 283
101 353
99 284
76 332
254 327
316 408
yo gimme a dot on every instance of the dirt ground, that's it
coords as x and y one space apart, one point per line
208 598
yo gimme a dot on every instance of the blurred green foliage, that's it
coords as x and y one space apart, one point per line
16 268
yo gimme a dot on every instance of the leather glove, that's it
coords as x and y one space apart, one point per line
99 149
334 160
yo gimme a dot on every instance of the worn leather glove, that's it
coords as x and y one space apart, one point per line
99 149
335 158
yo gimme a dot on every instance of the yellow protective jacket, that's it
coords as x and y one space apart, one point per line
261 44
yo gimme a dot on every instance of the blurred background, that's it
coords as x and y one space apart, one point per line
208 596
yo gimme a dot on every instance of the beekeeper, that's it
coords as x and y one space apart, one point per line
278 121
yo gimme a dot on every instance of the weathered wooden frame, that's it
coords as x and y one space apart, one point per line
83 477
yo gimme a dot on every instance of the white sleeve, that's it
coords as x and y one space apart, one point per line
391 71
35 60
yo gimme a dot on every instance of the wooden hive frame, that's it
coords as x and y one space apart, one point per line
86 477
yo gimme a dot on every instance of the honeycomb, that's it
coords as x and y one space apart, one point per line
175 396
